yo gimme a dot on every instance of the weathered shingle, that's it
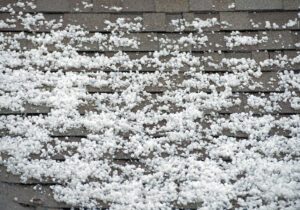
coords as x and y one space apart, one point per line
277 40
81 6
203 5
274 20
169 18
106 5
296 38
128 17
53 6
138 5
154 21
250 16
259 56
291 4
209 16
146 42
25 8
172 5
90 21
258 4
224 5
64 6
16 26
235 20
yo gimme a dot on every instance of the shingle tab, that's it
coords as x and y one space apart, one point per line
49 17
25 8
275 20
215 42
224 5
172 5
277 40
292 54
16 26
138 5
206 16
169 18
154 21
258 4
146 40
203 5
53 6
245 47
236 20
291 4
259 56
106 5
129 17
90 21
81 6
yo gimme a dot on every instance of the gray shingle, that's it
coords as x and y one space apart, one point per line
296 38
127 16
49 17
236 20
291 4
205 16
203 5
258 4
172 5
224 5
53 6
278 18
245 47
259 56
188 17
293 54
106 5
277 40
138 5
154 21
92 22
12 3
81 6
211 58
169 41
275 54
17 25
238 55
215 42
147 43
169 18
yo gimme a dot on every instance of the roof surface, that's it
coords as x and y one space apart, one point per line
149 104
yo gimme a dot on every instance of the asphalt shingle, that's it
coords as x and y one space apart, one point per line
204 5
53 6
154 21
91 22
258 4
106 5
172 5
277 40
235 20
291 4
138 5
276 20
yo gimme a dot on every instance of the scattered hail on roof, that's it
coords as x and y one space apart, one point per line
169 117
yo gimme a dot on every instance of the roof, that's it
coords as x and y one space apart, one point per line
149 104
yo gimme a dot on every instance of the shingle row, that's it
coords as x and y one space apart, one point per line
156 5
276 40
174 5
162 21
